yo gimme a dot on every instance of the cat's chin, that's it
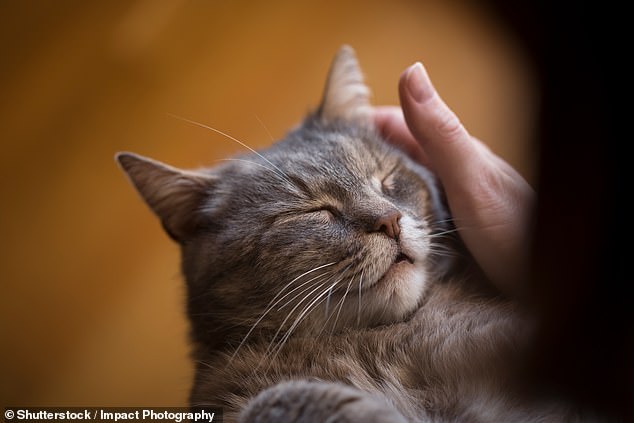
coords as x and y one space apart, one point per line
395 274
393 298
399 269
397 293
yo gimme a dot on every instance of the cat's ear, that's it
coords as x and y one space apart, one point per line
346 96
175 195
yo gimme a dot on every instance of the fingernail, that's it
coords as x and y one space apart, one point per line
416 84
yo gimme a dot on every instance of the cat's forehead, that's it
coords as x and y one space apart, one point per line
332 154
313 164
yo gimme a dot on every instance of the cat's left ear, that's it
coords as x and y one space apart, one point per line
346 97
174 195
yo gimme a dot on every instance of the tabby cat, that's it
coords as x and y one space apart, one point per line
325 281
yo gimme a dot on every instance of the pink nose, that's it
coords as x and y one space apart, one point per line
388 223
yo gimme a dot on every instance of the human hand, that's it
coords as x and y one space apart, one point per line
490 202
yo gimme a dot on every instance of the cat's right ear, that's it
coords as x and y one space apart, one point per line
346 97
175 195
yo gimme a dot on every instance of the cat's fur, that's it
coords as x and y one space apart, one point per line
321 285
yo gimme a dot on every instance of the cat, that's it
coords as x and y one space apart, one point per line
325 281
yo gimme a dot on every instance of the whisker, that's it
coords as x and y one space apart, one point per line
281 172
343 299
340 305
360 290
329 291
328 301
265 128
449 219
449 231
273 303
272 306
250 162
459 224
309 307
299 293
440 250
290 313
301 316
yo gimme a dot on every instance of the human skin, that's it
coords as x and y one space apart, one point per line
490 201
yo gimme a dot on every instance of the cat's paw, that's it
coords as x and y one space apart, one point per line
304 401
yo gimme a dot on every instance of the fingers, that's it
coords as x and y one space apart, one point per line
488 199
391 124
446 143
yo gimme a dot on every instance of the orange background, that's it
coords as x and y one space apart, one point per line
91 301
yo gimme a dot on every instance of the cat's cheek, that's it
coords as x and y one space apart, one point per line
414 238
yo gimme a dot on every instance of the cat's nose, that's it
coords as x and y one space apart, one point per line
389 224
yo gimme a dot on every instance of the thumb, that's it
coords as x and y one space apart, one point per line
447 144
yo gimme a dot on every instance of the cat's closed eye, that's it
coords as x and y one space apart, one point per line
388 184
325 213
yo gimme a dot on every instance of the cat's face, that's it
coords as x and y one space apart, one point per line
336 229
329 228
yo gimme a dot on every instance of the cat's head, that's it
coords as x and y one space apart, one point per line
328 228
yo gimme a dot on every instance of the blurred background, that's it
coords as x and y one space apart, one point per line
91 300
